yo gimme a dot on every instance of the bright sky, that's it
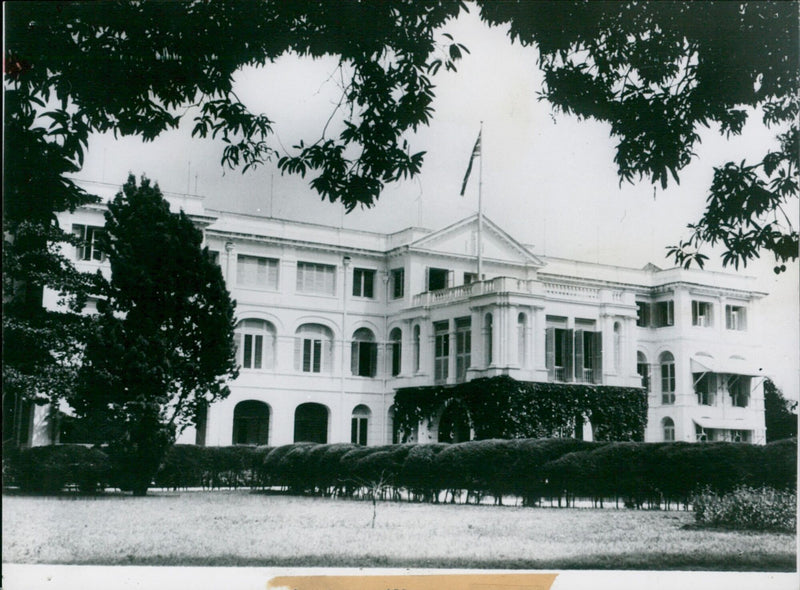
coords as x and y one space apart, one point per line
548 179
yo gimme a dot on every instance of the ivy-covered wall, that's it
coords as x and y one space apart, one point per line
502 407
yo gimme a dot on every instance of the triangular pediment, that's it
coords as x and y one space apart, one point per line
460 238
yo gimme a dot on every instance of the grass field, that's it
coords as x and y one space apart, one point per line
244 529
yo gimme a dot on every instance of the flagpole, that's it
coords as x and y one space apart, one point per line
480 208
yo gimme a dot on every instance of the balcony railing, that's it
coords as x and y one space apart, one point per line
496 285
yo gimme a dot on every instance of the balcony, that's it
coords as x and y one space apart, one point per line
463 292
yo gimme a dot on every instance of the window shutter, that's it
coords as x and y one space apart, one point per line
569 338
597 361
373 359
450 278
579 363
317 356
258 352
298 353
237 340
550 353
80 232
369 279
354 357
248 351
427 278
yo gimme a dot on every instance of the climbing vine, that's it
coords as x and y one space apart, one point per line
502 407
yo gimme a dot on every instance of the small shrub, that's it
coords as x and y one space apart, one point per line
763 509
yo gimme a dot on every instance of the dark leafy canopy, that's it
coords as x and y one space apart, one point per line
162 345
780 414
656 72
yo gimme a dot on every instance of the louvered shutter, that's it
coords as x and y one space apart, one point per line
550 353
597 361
567 352
578 347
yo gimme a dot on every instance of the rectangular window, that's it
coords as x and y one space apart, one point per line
668 382
643 314
665 314
398 278
705 388
312 355
363 282
213 256
735 317
253 351
463 347
701 314
587 359
559 347
316 278
257 272
441 354
739 388
90 248
437 278
470 277
358 431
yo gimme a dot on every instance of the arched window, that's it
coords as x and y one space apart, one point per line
359 425
363 353
643 369
311 423
668 427
667 363
255 344
522 339
487 332
416 348
396 347
313 349
251 423
617 347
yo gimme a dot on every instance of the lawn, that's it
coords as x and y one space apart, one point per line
238 528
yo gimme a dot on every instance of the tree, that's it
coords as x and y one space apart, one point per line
657 72
139 68
161 348
779 413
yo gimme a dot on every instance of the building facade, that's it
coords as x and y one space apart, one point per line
331 322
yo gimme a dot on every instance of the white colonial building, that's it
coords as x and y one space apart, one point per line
332 321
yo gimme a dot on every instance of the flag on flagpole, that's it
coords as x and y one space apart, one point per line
476 152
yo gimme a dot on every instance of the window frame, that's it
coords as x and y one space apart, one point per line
271 271
441 351
736 318
664 313
702 314
314 278
463 347
668 381
89 250
364 283
398 278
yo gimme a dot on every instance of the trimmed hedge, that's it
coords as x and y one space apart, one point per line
51 469
640 474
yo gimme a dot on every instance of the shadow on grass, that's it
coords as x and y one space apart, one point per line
697 561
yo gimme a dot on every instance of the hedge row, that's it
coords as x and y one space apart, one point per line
763 509
532 469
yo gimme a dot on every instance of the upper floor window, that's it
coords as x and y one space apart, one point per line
441 351
396 347
470 277
705 388
667 364
488 337
398 279
89 249
438 278
644 311
364 353
463 347
316 278
735 317
701 314
363 282
255 271
574 355
665 314
255 343
313 351
739 389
